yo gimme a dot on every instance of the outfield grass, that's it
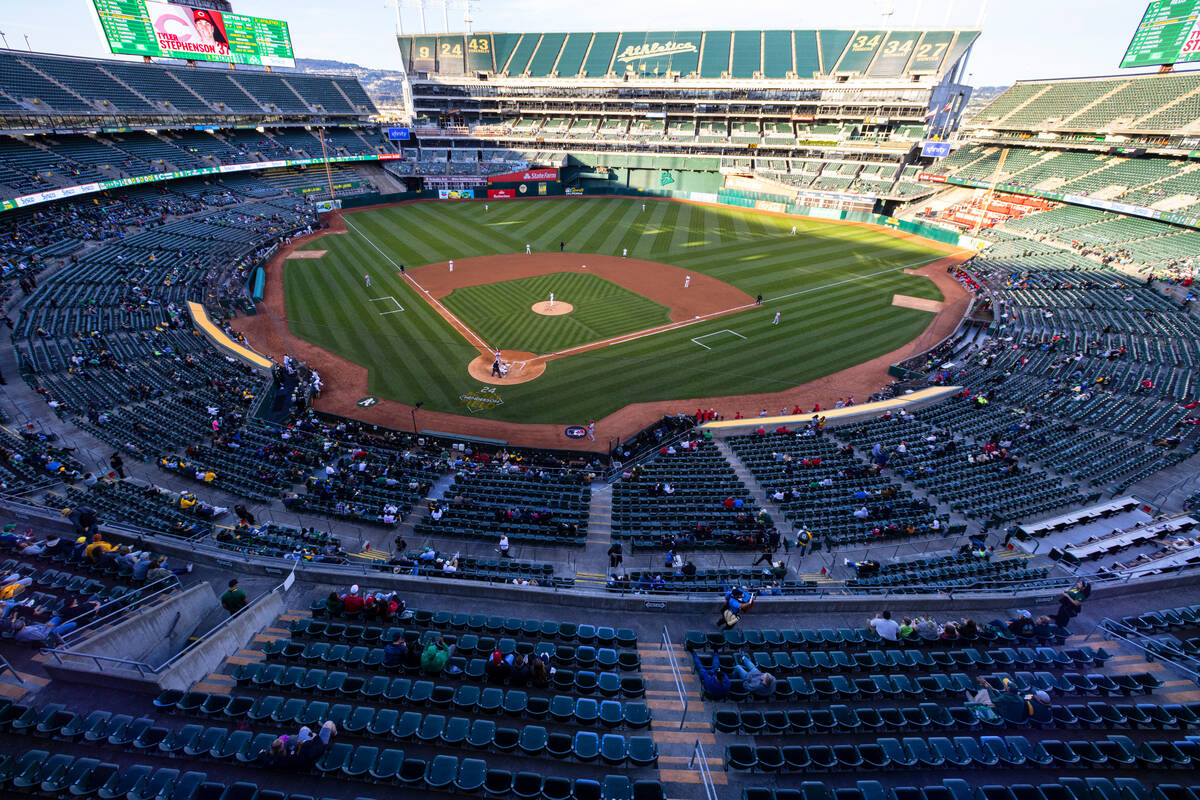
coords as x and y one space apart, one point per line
500 312
832 283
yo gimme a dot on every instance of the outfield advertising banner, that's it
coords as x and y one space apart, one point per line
528 175
456 194
927 178
121 183
501 194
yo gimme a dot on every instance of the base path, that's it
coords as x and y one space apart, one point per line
346 381
655 281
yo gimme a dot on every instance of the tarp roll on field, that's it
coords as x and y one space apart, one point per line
258 283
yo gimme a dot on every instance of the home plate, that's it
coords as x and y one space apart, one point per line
919 303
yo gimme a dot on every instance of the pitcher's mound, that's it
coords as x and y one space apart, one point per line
559 308
521 367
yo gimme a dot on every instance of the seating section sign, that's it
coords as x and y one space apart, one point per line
148 28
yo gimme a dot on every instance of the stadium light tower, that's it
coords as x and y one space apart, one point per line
468 17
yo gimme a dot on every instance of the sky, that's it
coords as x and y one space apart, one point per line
1021 38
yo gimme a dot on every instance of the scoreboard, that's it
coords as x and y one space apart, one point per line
1168 34
149 28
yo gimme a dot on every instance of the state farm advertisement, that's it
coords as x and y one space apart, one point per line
501 194
188 31
528 175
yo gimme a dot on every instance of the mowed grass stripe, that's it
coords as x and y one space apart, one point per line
500 312
845 275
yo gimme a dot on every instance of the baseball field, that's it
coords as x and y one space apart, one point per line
663 302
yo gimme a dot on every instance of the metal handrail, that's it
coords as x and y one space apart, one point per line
4 665
1136 639
700 761
123 607
614 473
99 660
998 589
197 640
676 675
142 667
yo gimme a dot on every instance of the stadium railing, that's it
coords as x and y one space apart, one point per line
1041 590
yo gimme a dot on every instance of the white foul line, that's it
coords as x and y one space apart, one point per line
432 300
674 326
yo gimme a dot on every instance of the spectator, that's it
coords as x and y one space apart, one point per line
92 551
885 626
614 555
1071 602
39 633
755 680
352 602
503 548
539 672
234 599
496 669
520 674
395 653
714 679
334 605
309 748
327 732
435 656
1022 624
275 755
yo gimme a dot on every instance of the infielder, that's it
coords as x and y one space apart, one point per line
687 281
452 265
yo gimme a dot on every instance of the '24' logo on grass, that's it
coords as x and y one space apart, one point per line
483 400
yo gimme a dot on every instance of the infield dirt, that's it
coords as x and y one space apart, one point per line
347 382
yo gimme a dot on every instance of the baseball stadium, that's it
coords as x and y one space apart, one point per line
339 400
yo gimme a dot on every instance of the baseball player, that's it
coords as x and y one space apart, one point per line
687 281
367 278
776 320
452 265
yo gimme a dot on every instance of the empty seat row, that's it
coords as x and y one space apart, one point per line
481 623
39 773
849 638
841 718
468 699
958 789
941 684
967 752
806 662
608 684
